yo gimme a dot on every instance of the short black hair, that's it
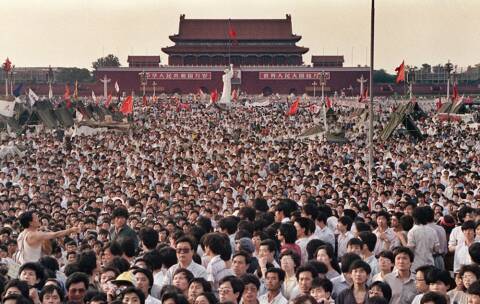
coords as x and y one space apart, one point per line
236 283
149 237
386 289
306 268
405 250
323 283
295 257
468 225
280 273
438 275
369 239
77 277
360 264
37 268
49 289
433 297
473 268
120 212
420 215
20 285
147 273
207 287
347 260
87 261
26 218
249 278
474 251
387 254
289 232
474 288
135 290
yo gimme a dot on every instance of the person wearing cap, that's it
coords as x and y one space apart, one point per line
120 229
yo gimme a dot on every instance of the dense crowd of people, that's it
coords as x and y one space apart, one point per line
203 205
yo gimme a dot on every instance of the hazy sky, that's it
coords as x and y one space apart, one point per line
77 32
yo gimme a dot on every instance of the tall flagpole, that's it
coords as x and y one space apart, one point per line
370 112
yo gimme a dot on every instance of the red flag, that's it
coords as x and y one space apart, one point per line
127 106
294 108
364 96
7 65
328 103
455 92
231 32
439 103
144 99
234 95
109 99
400 72
214 96
66 96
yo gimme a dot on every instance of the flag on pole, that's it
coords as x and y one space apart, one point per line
66 96
117 87
94 97
75 90
32 97
144 99
7 65
438 104
109 99
234 95
294 108
127 106
214 96
455 92
328 103
232 33
400 72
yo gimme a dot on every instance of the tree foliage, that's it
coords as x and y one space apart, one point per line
381 76
72 74
107 61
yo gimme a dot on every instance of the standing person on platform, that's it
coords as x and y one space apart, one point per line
31 238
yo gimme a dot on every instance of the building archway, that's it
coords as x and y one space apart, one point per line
267 91
177 91
292 91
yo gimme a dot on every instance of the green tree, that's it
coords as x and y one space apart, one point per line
381 76
72 74
107 61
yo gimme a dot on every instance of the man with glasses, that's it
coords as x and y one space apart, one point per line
230 290
184 248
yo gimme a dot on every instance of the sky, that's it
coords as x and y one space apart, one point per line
69 33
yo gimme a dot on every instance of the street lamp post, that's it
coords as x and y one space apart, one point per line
322 78
370 110
50 80
448 68
314 84
143 80
154 84
411 81
12 79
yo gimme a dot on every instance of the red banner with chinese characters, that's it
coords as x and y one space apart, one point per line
179 75
290 75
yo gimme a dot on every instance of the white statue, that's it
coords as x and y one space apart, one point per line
227 85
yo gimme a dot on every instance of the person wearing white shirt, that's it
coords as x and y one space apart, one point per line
323 232
456 236
343 226
462 256
273 282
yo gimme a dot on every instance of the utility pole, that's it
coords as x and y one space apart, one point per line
322 78
370 112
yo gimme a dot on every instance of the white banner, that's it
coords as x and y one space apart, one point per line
350 104
7 108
